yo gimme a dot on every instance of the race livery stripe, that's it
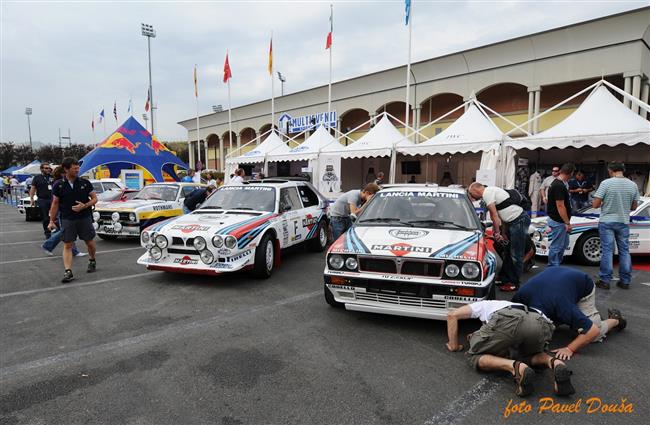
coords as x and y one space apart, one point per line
248 237
225 230
354 244
244 226
312 232
457 247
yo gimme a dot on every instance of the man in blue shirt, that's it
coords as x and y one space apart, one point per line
567 296
579 188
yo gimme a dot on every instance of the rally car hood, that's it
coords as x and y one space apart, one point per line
208 223
131 205
409 242
541 222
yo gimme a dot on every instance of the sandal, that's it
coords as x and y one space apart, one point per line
524 382
562 379
614 313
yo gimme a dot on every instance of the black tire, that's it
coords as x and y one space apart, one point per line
262 269
329 299
107 237
588 250
318 243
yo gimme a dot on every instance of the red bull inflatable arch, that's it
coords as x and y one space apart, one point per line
131 144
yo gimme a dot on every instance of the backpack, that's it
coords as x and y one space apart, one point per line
515 198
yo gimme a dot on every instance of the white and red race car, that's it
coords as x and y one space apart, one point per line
239 227
415 250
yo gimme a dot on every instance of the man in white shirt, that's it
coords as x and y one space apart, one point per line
238 178
509 326
510 223
543 190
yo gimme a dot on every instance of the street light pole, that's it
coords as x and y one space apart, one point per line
149 32
28 112
283 80
145 117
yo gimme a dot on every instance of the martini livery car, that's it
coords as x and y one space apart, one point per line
239 227
415 250
154 203
584 242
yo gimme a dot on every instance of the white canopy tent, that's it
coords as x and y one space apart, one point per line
601 120
272 143
32 168
381 140
320 141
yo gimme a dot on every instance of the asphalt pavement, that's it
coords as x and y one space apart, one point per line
129 346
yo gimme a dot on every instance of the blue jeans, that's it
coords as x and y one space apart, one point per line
559 242
51 242
619 233
513 264
339 226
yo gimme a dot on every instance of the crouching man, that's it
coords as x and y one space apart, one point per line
512 337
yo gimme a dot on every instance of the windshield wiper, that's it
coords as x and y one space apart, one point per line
386 220
441 223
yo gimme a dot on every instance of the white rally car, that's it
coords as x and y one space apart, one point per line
584 242
415 250
239 227
154 203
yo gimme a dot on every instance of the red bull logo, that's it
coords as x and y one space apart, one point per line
156 146
118 141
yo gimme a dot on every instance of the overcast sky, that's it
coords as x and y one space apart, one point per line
68 60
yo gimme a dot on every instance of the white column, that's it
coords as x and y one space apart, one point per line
645 92
206 154
531 104
373 119
636 92
191 154
416 122
338 124
221 158
465 99
627 88
538 95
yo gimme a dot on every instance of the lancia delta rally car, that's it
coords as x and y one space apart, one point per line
239 227
415 250
584 242
154 203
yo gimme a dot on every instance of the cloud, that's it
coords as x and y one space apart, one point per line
69 60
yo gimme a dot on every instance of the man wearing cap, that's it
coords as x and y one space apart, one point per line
509 327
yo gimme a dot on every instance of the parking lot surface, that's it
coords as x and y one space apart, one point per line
129 346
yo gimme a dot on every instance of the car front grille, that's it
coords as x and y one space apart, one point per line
106 216
188 251
424 268
400 300
377 265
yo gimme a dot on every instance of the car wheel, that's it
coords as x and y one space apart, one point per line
588 249
329 298
107 237
264 258
319 243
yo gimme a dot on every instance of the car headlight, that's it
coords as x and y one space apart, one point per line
95 216
117 226
537 236
155 252
452 270
217 241
207 257
132 217
230 241
351 263
95 226
470 270
199 243
161 241
115 216
145 237
336 262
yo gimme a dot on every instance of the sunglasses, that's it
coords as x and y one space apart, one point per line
556 171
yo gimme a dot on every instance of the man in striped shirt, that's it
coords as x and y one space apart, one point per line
615 197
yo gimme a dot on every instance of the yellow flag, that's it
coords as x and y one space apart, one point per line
271 57
196 84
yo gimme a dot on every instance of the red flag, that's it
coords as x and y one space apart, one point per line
328 43
227 73
146 105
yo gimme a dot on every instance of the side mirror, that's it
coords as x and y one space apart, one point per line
285 208
353 217
487 224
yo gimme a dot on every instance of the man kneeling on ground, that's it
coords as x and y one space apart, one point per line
508 327
568 296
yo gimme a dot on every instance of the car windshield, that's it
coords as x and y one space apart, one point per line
589 211
419 209
257 198
158 192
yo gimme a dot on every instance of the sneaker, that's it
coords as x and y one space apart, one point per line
81 254
67 276
47 252
602 285
508 287
614 313
623 285
92 266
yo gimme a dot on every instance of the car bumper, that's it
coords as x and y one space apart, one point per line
129 230
420 299
192 264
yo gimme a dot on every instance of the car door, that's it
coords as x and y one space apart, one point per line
640 230
311 212
291 210
183 193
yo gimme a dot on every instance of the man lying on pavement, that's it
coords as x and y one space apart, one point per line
508 327
568 296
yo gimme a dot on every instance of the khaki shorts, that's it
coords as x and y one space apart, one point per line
510 329
587 306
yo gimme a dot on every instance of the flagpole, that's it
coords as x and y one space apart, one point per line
94 138
408 71
272 84
229 128
329 85
198 138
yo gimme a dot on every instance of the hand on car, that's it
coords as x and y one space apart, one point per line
563 353
80 206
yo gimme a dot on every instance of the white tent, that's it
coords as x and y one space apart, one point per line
379 141
320 141
600 120
272 143
33 168
471 132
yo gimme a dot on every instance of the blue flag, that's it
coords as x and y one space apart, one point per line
407 9
101 115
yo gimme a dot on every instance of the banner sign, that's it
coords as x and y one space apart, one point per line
289 124
328 178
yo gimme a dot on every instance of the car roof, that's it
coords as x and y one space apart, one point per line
274 183
426 187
